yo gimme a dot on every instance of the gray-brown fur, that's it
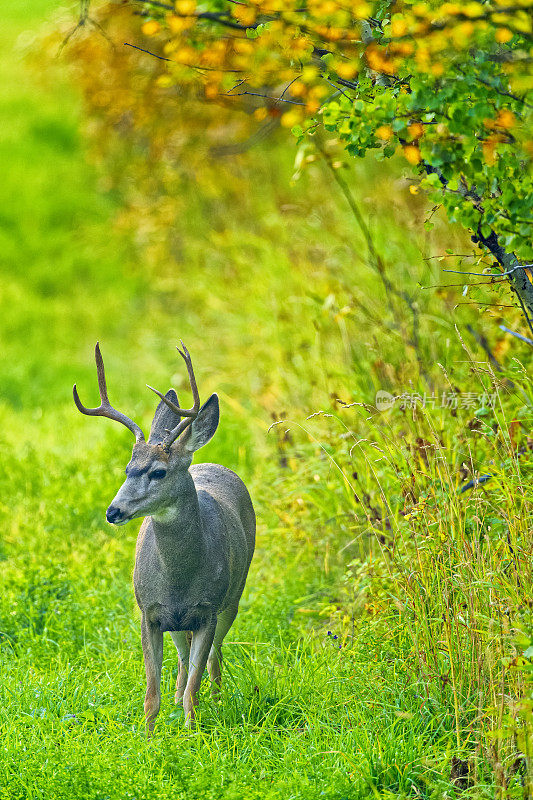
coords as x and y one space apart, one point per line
193 551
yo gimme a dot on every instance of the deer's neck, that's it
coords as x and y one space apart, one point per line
178 531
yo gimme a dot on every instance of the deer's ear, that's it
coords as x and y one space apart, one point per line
164 419
204 426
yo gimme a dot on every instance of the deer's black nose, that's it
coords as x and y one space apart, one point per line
113 514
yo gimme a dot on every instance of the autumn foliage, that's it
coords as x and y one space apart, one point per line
448 86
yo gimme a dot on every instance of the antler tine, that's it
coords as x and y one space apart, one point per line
192 380
100 374
181 412
189 413
105 409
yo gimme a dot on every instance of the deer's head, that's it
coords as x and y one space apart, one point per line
158 468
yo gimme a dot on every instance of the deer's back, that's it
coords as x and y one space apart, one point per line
218 483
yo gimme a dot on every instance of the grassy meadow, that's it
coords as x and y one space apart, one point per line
384 644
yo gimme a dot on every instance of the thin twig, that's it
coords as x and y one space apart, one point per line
482 303
452 255
337 88
288 87
161 58
280 99
172 61
490 274
518 335
457 285
82 19
212 16
264 96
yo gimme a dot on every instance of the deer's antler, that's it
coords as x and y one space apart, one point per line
189 413
105 409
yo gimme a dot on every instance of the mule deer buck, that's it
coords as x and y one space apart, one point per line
195 544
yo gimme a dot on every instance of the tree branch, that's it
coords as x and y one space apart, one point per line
518 335
212 16
518 278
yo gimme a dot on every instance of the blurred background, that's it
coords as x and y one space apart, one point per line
136 214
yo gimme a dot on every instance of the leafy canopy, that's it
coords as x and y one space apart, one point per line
447 85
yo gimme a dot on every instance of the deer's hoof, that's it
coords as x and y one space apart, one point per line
190 722
149 730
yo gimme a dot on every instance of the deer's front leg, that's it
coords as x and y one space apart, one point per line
214 662
202 641
152 644
182 641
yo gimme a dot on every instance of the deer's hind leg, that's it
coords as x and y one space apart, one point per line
214 662
152 644
182 641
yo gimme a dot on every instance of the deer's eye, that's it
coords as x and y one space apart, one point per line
157 474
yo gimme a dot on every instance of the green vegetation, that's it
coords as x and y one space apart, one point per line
447 85
383 647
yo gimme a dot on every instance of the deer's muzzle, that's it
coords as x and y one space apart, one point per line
114 515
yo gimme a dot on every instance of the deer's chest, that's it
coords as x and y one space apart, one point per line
186 606
179 616
174 588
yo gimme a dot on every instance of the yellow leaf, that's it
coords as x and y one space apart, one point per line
361 10
244 14
505 119
522 22
151 27
384 132
164 81
298 89
185 55
413 189
211 91
473 9
301 44
319 91
185 7
290 118
416 130
412 154
179 24
398 26
521 83
451 8
346 70
309 74
462 33
243 46
489 155
328 8
503 35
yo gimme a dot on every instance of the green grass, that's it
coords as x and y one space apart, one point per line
271 293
